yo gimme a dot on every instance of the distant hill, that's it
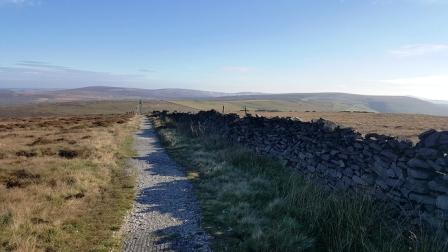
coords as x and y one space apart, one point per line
18 96
354 102
99 92
234 101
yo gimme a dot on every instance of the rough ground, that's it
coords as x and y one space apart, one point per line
166 215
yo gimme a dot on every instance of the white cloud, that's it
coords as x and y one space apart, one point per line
237 69
420 50
429 86
20 2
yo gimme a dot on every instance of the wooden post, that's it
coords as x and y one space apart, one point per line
245 110
223 109
140 104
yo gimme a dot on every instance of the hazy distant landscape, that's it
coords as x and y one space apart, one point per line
233 102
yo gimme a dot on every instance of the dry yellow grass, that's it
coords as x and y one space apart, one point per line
63 185
401 125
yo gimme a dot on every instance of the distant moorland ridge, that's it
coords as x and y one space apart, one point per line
256 101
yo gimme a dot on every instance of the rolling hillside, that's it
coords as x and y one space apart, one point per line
233 102
343 101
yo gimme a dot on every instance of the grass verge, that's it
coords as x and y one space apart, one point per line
254 203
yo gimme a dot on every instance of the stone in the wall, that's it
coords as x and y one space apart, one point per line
434 165
419 173
391 173
380 168
381 184
358 180
348 172
418 163
429 138
389 154
443 139
415 185
438 185
397 171
422 199
427 153
442 202
393 182
369 179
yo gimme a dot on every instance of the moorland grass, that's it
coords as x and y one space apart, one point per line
72 194
255 203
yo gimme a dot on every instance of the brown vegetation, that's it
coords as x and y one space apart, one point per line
63 186
87 107
401 125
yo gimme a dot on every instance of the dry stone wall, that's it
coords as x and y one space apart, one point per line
413 178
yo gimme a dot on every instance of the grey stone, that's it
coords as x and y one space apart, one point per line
393 182
380 168
389 154
417 163
311 168
348 172
347 181
434 165
390 173
334 152
443 139
427 133
422 199
358 146
438 185
368 178
375 146
432 221
441 162
427 153
358 180
442 202
419 173
398 172
441 214
414 185
431 140
382 184
325 157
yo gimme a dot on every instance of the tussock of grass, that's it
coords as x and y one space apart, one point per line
253 203
73 193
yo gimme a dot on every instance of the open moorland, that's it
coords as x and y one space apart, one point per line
394 124
88 107
64 185
400 125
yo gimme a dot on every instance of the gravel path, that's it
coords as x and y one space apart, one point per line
166 215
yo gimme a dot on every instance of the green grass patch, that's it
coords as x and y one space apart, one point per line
254 203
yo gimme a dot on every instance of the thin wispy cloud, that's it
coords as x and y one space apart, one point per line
146 70
420 50
38 73
237 69
20 2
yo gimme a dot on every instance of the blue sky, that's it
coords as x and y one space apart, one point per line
392 47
